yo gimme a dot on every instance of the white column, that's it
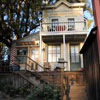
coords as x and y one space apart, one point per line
40 51
64 48
81 56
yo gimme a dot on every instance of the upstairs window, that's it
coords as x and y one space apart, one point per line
71 24
54 24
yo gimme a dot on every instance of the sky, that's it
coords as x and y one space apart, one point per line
87 15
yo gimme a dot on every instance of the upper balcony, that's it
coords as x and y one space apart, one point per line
64 27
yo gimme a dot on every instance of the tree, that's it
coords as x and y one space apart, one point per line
21 17
18 17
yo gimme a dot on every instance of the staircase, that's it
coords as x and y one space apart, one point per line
78 92
33 76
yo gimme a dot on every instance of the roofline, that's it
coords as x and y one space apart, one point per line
66 3
89 39
25 37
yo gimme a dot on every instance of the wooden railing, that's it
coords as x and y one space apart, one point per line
64 26
30 64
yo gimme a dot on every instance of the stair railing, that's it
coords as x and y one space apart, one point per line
30 64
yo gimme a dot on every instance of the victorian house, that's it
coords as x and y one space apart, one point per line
63 30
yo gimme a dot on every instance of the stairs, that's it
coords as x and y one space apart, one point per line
78 92
33 78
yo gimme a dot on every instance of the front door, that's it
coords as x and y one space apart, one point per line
74 58
34 55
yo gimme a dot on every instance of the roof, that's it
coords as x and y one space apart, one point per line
55 5
89 39
26 37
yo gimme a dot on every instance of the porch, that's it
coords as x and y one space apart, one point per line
64 27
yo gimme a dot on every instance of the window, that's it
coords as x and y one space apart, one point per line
74 50
35 53
54 53
54 24
22 51
71 24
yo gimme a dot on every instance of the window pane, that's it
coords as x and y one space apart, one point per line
22 51
74 53
54 50
34 53
54 57
49 49
72 57
71 24
58 49
76 49
72 49
53 53
50 57
58 56
77 57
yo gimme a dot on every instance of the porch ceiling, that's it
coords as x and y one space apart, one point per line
68 38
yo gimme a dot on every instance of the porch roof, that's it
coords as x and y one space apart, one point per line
68 38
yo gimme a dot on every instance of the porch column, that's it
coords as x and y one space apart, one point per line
64 48
40 52
81 56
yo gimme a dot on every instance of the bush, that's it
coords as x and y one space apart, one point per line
49 92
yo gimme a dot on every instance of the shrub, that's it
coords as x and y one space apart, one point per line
49 92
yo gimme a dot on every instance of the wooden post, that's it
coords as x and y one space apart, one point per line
96 11
62 78
61 60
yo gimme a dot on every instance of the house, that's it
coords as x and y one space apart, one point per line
62 32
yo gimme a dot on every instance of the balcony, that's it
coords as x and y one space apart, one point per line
61 27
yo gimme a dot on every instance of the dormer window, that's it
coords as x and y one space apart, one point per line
71 24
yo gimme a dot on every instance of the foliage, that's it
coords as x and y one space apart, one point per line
49 92
23 90
21 17
7 88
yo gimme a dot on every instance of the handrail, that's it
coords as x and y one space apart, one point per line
35 62
63 22
27 59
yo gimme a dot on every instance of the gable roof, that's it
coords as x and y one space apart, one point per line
65 2
26 37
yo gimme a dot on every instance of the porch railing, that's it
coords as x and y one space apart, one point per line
30 64
64 26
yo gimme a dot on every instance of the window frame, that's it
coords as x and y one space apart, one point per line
54 24
75 54
71 24
52 52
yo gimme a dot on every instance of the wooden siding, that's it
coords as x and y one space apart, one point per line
91 67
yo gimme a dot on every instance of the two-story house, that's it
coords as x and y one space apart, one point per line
63 29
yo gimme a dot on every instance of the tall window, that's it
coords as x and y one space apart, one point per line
54 24
74 50
54 53
71 24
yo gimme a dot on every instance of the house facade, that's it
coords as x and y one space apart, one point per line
63 29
